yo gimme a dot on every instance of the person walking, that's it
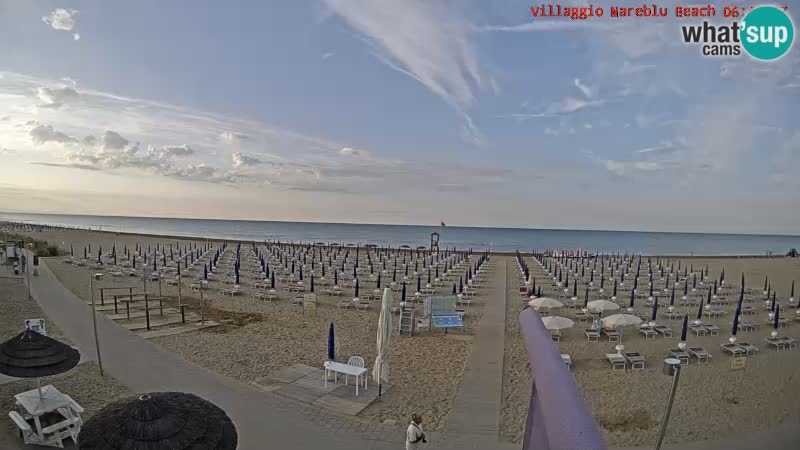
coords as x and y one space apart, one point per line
414 434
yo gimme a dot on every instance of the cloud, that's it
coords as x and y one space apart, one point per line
628 68
113 141
625 168
348 151
66 166
664 146
427 41
90 141
42 134
55 97
76 36
570 105
587 91
242 160
176 150
327 55
61 19
545 25
232 136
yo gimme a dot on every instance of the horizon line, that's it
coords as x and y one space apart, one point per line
401 225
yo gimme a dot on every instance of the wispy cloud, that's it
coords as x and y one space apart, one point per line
327 55
545 25
55 97
586 90
349 151
427 41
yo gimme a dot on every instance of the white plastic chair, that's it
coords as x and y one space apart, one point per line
355 361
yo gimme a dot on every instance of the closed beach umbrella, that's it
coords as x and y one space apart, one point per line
205 272
356 287
633 298
736 322
700 311
380 370
772 304
312 282
237 276
159 420
379 281
403 297
777 316
586 297
336 277
331 344
301 273
272 280
672 297
615 288
684 327
655 310
557 323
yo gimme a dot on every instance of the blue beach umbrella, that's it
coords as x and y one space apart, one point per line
403 297
585 298
454 289
335 277
331 344
736 322
700 311
272 280
237 276
772 304
633 297
672 297
378 286
684 327
655 310
312 282
205 272
357 287
777 316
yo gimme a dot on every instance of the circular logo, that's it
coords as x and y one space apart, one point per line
767 33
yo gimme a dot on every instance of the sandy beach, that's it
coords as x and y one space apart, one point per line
255 338
712 401
83 383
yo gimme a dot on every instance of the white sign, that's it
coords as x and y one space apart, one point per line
36 325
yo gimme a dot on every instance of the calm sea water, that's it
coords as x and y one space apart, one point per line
498 239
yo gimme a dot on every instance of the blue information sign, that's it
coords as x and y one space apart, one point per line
447 321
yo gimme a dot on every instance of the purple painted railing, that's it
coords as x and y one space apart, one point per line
557 416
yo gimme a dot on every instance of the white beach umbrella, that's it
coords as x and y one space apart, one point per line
557 322
545 302
380 370
620 320
602 305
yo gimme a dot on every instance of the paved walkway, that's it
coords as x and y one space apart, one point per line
474 421
262 419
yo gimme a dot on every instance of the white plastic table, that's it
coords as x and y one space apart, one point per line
337 368
36 406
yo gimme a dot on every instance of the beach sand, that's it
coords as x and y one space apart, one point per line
83 383
712 401
257 338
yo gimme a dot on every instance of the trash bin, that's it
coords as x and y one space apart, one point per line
670 365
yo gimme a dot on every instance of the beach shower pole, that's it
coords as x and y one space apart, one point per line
673 365
96 276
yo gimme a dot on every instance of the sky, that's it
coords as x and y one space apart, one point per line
470 112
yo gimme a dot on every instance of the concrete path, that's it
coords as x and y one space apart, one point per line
474 421
262 420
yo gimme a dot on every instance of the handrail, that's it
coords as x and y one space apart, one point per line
557 415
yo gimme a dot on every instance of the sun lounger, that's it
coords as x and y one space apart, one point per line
613 335
779 343
713 330
750 349
663 330
679 354
362 306
733 349
581 317
790 341
699 330
344 304
618 361
636 360
700 354
648 332
591 335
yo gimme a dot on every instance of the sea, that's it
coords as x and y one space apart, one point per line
476 238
